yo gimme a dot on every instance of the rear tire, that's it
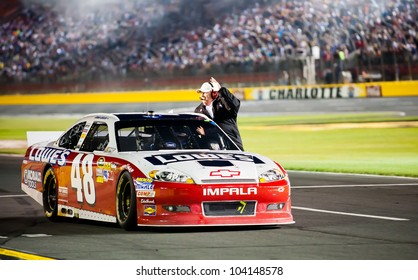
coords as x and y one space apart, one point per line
126 202
49 194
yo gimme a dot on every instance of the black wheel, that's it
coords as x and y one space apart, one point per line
126 202
49 195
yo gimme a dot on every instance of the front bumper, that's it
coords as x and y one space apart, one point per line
216 205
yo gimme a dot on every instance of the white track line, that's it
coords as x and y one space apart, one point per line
36 235
352 214
13 195
349 214
356 185
353 174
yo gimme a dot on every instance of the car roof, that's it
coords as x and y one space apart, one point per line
133 116
153 115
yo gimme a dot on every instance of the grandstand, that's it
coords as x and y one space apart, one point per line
85 45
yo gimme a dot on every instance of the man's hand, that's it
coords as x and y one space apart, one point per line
215 84
200 130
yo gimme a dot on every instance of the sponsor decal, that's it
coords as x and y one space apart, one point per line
144 193
31 177
373 91
63 194
103 175
143 184
281 189
229 191
171 158
63 191
129 168
239 93
150 210
49 155
101 162
241 206
106 175
147 201
225 173
101 117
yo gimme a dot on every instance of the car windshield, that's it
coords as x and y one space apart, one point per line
168 134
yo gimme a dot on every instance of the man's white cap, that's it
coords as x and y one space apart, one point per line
206 87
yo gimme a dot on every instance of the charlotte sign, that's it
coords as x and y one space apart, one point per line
308 92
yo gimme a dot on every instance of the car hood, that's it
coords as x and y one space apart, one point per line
206 167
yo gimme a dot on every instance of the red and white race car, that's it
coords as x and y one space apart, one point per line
154 169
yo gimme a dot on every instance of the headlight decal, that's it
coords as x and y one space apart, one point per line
169 175
271 175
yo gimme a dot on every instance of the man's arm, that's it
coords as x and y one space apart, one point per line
229 101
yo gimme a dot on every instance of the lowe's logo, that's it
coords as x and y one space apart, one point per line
229 191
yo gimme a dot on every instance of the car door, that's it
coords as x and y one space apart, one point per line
69 190
87 180
98 171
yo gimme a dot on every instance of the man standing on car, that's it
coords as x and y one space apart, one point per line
219 104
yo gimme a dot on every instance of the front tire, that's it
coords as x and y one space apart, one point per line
49 194
126 202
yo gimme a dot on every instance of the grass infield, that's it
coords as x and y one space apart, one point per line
379 143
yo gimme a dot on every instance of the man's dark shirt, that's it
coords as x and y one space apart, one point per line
225 112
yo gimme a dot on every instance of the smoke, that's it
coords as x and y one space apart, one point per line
80 9
108 19
63 5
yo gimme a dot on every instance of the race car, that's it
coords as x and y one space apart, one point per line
154 169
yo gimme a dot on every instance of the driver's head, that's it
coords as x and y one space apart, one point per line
206 93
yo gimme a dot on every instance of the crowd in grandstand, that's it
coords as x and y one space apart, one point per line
66 40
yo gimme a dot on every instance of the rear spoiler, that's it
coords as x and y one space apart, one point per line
34 137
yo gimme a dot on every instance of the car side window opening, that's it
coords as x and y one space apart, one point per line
168 135
70 139
96 139
136 138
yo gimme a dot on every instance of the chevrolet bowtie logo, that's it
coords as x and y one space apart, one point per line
225 173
